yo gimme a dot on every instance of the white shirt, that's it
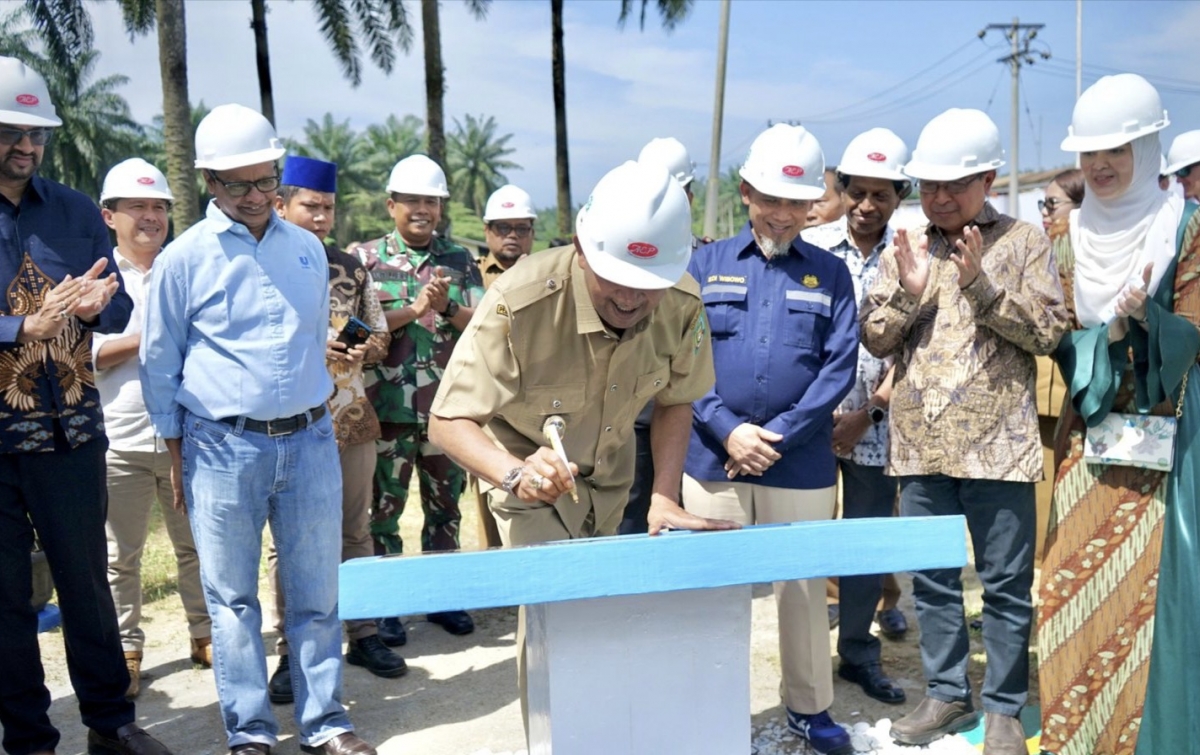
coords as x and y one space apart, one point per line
127 423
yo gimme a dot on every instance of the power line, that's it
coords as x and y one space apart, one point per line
908 100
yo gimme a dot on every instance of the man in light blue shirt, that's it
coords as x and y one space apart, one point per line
233 373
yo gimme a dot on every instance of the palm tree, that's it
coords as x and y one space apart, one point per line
383 24
157 150
66 30
476 158
97 129
671 12
435 74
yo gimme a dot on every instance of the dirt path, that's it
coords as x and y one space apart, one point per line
459 697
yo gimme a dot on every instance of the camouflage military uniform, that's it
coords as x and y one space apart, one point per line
402 387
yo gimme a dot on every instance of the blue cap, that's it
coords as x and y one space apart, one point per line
307 173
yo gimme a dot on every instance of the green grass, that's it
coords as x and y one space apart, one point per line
160 578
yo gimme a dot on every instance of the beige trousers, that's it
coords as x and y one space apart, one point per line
136 479
358 467
804 650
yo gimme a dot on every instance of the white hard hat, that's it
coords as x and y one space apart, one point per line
1115 111
508 203
1184 151
135 179
1162 165
636 227
24 97
670 153
956 144
234 136
786 161
877 153
419 175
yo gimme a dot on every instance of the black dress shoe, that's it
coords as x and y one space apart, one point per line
130 739
874 684
454 622
892 623
374 656
391 631
279 689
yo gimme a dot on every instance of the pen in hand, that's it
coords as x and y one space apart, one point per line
554 428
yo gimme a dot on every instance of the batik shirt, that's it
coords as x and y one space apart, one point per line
834 237
54 232
963 393
403 385
352 294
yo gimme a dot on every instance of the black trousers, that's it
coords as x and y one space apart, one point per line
62 496
634 522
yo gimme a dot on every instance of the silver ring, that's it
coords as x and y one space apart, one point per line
536 481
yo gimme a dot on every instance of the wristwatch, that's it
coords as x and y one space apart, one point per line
451 309
512 479
876 413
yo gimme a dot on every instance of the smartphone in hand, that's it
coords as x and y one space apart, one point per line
354 333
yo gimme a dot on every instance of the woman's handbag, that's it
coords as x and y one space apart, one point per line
1135 440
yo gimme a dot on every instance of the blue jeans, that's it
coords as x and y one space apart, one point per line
1002 520
236 481
866 492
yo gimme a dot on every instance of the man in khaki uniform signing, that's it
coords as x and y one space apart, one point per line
589 333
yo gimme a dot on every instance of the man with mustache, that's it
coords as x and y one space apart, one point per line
785 346
61 286
428 287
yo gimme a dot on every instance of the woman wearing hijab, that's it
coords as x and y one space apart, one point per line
1118 625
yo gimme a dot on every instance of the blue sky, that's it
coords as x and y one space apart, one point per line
839 67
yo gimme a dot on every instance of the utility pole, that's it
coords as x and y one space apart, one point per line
1078 57
714 155
1021 36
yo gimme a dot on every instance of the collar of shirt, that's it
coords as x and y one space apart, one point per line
747 244
35 193
939 243
489 264
221 223
587 319
835 237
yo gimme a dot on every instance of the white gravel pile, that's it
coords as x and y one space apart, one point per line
774 739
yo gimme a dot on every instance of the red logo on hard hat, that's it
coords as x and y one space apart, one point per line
507 205
793 171
643 250
27 99
146 181
877 157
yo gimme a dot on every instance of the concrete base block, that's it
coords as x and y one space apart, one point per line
641 674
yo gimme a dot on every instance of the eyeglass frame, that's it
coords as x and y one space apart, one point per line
238 193
45 132
1052 204
496 225
960 185
1185 171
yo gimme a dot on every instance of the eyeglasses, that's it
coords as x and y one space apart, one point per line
38 137
1181 173
242 188
952 187
1052 204
503 229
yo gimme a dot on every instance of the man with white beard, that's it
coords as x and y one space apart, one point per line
784 322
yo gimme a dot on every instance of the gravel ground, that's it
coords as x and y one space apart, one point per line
459 697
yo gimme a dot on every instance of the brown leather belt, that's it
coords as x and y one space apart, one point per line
275 427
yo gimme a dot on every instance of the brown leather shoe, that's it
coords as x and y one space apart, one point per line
202 651
133 663
342 744
934 719
130 739
1003 735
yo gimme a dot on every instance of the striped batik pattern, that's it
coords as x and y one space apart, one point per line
1096 619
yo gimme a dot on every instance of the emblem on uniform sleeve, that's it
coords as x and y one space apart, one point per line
810 281
502 310
699 331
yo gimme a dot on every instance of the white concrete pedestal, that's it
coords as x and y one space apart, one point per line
641 674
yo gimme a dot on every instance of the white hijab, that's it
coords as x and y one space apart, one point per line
1115 238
